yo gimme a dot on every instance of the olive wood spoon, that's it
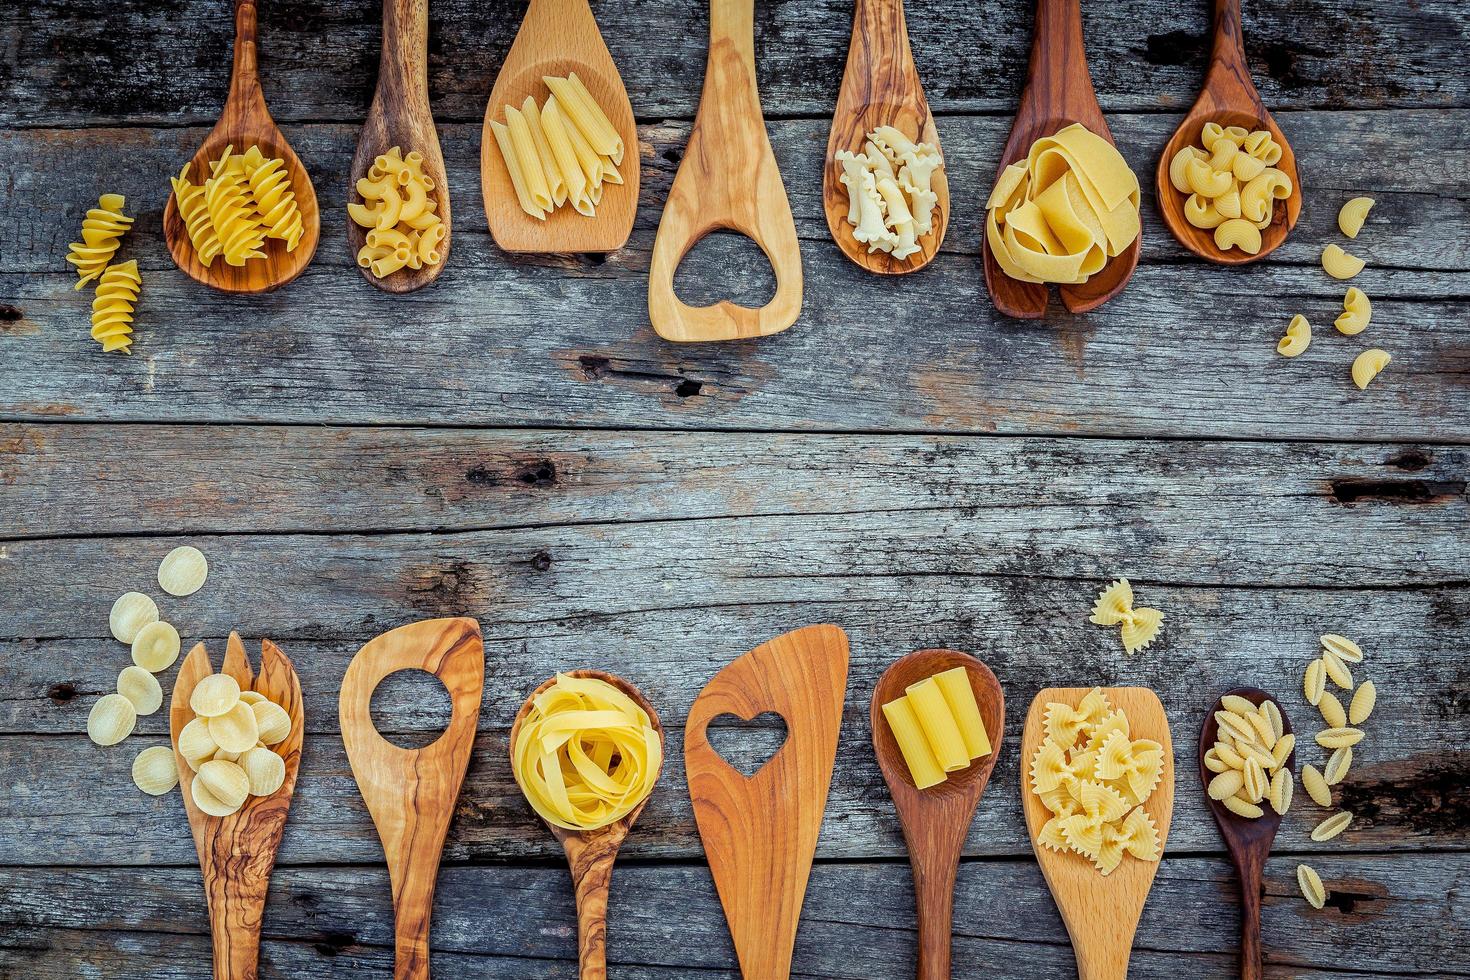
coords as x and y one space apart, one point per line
245 122
936 820
1058 93
1248 841
880 88
400 116
591 853
1230 99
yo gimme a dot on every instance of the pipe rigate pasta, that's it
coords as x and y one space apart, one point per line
264 770
1298 336
273 724
1361 706
1314 681
1339 264
1311 886
1337 671
1332 826
112 307
1332 710
1179 162
1352 215
1338 765
141 689
1233 178
156 646
102 231
1201 212
214 695
1368 365
130 613
1316 786
155 770
236 730
1341 737
1238 233
111 719
1346 650
1357 311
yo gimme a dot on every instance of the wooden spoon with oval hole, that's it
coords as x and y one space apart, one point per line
238 852
880 88
1230 99
591 853
1101 911
556 38
400 116
936 820
1248 841
1058 93
246 122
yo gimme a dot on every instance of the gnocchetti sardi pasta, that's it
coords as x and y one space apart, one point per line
938 727
1250 757
1332 826
890 195
400 213
1311 886
1232 184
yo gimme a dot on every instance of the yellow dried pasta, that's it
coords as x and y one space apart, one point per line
1339 264
183 571
1298 336
1368 365
1232 184
1338 765
1337 671
1139 625
1332 826
214 695
1363 702
1338 738
1316 786
1357 312
113 306
156 646
111 719
1311 886
1350 216
102 231
1346 650
404 228
1332 711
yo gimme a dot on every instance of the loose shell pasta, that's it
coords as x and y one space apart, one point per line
1357 312
1311 886
214 695
1339 264
1332 826
155 770
1316 786
141 689
111 719
183 571
1298 336
156 646
130 613
1367 365
1364 699
1351 216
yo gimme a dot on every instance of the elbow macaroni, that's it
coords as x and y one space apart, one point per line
1298 336
403 229
1367 365
1232 184
1357 311
890 197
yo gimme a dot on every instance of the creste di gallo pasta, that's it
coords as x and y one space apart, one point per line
404 228
890 194
1232 184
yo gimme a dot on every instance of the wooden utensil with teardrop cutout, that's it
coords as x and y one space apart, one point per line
880 87
245 122
1058 93
237 853
936 820
411 792
760 832
727 180
1101 912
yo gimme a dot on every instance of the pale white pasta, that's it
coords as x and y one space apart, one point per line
1332 826
265 771
1316 786
236 730
111 719
1311 886
195 743
141 689
156 646
1332 711
1364 699
1357 312
1314 682
890 209
226 782
1298 336
130 613
272 722
205 799
1352 215
155 770
1336 738
1338 765
214 695
1367 365
1346 650
1337 671
1339 264
183 571
251 697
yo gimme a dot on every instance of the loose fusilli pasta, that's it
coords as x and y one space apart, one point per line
102 231
112 307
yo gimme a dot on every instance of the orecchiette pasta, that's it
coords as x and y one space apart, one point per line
1298 336
130 613
102 230
1367 365
155 770
1357 311
140 688
230 748
1352 215
1339 264
111 720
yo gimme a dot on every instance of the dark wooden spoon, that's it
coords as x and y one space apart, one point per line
936 820
245 122
1230 99
1248 841
591 853
1058 93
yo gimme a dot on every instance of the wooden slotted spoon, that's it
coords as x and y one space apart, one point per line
1229 98
559 37
591 853
880 87
1058 93
246 122
238 852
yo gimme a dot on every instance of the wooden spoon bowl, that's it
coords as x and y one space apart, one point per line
1248 841
238 852
591 853
556 38
246 122
936 820
880 87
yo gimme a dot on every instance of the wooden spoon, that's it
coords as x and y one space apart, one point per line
591 853
728 179
936 820
246 122
411 792
1230 99
238 852
400 116
880 88
1101 912
1248 841
556 38
1058 93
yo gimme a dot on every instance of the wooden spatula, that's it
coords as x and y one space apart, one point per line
1101 912
246 122
880 88
238 852
559 37
728 179
591 853
1248 841
936 820
760 832
1058 93
411 792
1228 97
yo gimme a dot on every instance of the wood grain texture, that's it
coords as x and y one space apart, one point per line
936 820
591 853
760 832
556 38
1057 93
238 852
245 122
728 179
1229 98
400 116
880 87
1101 911
1248 841
411 793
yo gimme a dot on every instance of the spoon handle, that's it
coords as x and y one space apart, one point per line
1250 867
403 67
1228 55
591 861
245 90
934 878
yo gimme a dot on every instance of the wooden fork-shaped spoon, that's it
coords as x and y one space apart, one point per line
400 116
1248 841
237 853
591 853
880 88
936 820
1230 99
1058 93
246 122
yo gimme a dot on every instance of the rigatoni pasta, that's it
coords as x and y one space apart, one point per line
938 727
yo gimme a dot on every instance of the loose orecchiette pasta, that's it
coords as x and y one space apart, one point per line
214 695
130 613
1364 698
111 720
112 307
236 730
1311 886
1339 264
1298 336
264 770
1367 365
1332 826
1357 311
141 688
102 229
1352 215
195 743
156 646
155 770
1316 786
183 571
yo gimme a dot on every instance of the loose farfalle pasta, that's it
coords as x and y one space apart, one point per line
1232 184
1352 215
1368 365
1298 336
102 231
1332 826
183 571
113 306
890 197
1311 886
1357 311
111 719
1139 624
141 689
156 646
155 770
404 230
130 613
1339 264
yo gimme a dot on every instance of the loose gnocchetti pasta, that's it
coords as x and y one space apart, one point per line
183 571
1314 681
1346 650
1350 216
1339 264
1316 786
1332 710
1311 886
1338 765
1337 671
1357 313
1336 738
1363 702
1332 826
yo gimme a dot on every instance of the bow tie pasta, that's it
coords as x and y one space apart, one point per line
1114 607
890 194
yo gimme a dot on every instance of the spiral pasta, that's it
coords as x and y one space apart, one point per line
396 207
102 231
245 200
189 198
270 189
112 307
235 220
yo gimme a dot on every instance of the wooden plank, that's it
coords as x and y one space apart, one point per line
89 61
1399 915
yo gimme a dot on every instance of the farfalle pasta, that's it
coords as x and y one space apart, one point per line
404 230
1232 184
890 194
1114 607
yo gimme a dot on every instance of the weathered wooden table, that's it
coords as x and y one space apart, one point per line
515 444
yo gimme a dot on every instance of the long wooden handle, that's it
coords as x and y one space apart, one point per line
1249 866
403 66
934 903
1228 54
245 91
591 860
